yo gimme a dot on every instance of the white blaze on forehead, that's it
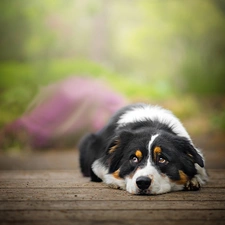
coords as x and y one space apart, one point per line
151 142
154 113
149 169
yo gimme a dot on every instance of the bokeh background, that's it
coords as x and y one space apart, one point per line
170 53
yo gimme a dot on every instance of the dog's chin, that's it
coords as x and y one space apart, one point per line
143 192
151 191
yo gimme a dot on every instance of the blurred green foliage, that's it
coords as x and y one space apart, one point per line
218 120
20 82
144 49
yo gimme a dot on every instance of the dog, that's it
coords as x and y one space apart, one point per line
143 149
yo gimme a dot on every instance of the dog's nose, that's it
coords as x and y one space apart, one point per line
143 182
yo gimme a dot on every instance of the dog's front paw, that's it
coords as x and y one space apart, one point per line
114 186
192 185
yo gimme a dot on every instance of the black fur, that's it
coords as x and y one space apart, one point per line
89 152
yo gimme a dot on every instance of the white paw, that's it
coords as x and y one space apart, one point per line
192 185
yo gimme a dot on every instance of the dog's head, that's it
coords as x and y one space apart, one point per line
152 164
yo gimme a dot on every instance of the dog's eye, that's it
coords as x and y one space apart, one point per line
162 160
134 160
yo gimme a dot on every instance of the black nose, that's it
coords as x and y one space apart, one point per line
143 182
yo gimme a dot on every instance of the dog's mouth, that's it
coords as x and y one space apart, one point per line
143 192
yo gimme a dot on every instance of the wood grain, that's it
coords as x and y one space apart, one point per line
65 197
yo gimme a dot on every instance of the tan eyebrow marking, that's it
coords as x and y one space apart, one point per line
157 150
138 153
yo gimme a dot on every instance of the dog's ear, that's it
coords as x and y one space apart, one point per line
119 141
188 156
192 152
189 150
113 145
115 149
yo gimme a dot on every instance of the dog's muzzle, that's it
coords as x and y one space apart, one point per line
143 182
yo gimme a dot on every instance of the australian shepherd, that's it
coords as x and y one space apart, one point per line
143 149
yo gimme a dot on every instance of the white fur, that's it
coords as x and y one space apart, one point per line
102 172
201 176
160 184
99 169
151 141
154 113
114 182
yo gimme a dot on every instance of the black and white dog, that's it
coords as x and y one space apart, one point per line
143 149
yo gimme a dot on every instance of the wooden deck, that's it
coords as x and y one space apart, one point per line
65 197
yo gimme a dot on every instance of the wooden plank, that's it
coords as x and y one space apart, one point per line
61 197
48 194
112 215
216 174
26 183
42 174
115 221
72 174
71 183
50 159
111 205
